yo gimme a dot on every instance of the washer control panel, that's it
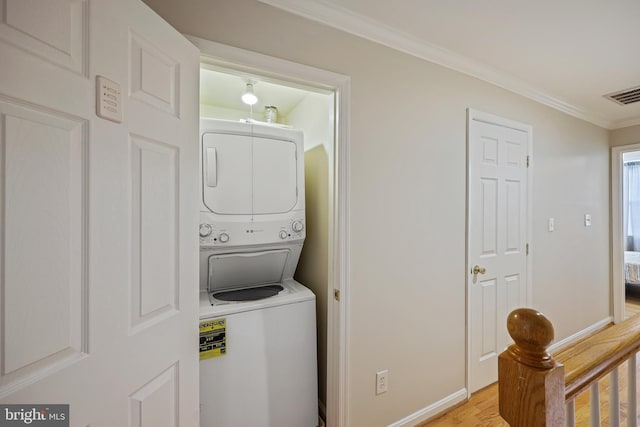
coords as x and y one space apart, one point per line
233 234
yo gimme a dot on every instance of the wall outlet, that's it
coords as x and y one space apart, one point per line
587 220
382 381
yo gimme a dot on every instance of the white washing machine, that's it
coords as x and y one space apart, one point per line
267 375
257 325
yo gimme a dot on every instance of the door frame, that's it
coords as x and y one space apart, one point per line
476 115
617 247
254 63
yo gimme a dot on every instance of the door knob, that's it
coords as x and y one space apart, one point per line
478 270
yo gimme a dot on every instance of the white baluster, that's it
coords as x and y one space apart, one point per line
571 413
614 398
631 392
594 405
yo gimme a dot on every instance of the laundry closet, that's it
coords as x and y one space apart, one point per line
261 239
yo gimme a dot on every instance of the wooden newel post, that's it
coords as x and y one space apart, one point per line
530 381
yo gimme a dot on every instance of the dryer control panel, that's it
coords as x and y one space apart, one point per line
217 234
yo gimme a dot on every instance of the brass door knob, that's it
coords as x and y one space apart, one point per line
478 270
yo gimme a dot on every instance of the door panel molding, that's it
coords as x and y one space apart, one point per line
44 169
62 40
154 76
157 403
155 275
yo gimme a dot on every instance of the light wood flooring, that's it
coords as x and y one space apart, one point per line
482 409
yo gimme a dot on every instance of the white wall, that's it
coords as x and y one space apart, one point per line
408 168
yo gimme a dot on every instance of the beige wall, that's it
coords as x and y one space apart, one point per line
625 136
313 266
408 168
314 114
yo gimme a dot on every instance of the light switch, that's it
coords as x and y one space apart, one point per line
587 220
551 226
108 99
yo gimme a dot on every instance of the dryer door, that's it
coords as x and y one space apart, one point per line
274 176
226 173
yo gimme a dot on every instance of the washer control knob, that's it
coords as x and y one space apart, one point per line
283 234
205 230
297 226
223 237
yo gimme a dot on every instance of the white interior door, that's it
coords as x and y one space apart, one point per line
99 253
497 240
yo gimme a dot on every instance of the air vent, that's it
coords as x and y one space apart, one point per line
625 97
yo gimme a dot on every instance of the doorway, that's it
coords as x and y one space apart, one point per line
316 102
625 189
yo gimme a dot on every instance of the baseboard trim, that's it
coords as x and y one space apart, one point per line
432 410
579 335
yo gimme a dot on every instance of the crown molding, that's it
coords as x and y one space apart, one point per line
361 26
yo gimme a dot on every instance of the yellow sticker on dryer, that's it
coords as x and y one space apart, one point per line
213 338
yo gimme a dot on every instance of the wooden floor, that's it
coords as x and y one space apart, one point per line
482 409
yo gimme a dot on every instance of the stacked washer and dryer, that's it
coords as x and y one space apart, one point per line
257 324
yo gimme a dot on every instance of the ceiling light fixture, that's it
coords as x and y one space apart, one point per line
249 97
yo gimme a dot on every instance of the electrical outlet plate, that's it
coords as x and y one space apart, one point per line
382 382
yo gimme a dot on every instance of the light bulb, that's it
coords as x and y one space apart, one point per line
249 97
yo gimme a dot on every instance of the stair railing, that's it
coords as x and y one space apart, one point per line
537 389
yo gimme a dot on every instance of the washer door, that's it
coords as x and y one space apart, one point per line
246 269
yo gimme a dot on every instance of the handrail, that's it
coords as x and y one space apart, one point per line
534 385
594 357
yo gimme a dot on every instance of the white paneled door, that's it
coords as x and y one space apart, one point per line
98 218
498 155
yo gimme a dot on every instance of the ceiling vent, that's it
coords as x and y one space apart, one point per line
625 97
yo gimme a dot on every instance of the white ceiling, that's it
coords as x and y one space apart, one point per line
563 53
